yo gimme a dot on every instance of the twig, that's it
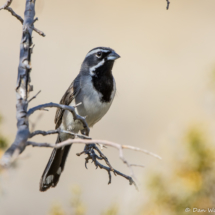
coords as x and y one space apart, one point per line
39 32
18 147
65 107
167 4
36 19
138 165
21 20
14 14
7 4
102 142
141 150
93 156
34 97
82 141
76 105
58 131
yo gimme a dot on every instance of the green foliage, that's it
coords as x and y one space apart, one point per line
56 209
3 146
76 202
77 206
3 140
191 183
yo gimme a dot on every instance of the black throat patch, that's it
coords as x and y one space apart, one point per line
103 81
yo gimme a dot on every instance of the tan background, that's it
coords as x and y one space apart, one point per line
163 81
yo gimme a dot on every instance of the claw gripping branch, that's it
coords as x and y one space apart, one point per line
89 150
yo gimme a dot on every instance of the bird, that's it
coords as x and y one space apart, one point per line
93 89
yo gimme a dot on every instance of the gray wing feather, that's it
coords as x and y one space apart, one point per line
67 98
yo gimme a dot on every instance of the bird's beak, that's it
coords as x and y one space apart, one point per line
113 56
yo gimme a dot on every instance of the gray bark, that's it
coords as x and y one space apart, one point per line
23 87
23 84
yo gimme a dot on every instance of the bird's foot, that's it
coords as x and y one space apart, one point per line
89 150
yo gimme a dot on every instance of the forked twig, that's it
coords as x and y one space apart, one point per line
65 107
7 4
89 150
6 7
14 14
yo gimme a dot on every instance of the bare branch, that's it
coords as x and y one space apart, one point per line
14 14
34 97
65 107
103 142
91 154
58 131
21 20
167 4
141 150
39 32
36 19
76 105
22 87
138 165
7 4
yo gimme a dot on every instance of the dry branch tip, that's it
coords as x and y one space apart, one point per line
34 96
167 4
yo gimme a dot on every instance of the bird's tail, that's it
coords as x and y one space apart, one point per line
54 167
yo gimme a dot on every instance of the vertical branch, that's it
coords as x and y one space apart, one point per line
23 87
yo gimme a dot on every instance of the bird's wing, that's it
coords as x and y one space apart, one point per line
67 98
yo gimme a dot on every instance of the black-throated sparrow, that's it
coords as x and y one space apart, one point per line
95 88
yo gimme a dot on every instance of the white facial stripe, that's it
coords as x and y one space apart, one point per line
93 68
96 50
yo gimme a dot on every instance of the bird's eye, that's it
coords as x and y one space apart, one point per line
98 54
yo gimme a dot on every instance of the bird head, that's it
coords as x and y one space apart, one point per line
99 61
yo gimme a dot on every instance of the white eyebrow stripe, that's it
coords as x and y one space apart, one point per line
93 68
97 50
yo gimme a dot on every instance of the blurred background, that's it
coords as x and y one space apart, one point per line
165 103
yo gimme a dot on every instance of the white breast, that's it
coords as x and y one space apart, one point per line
91 107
